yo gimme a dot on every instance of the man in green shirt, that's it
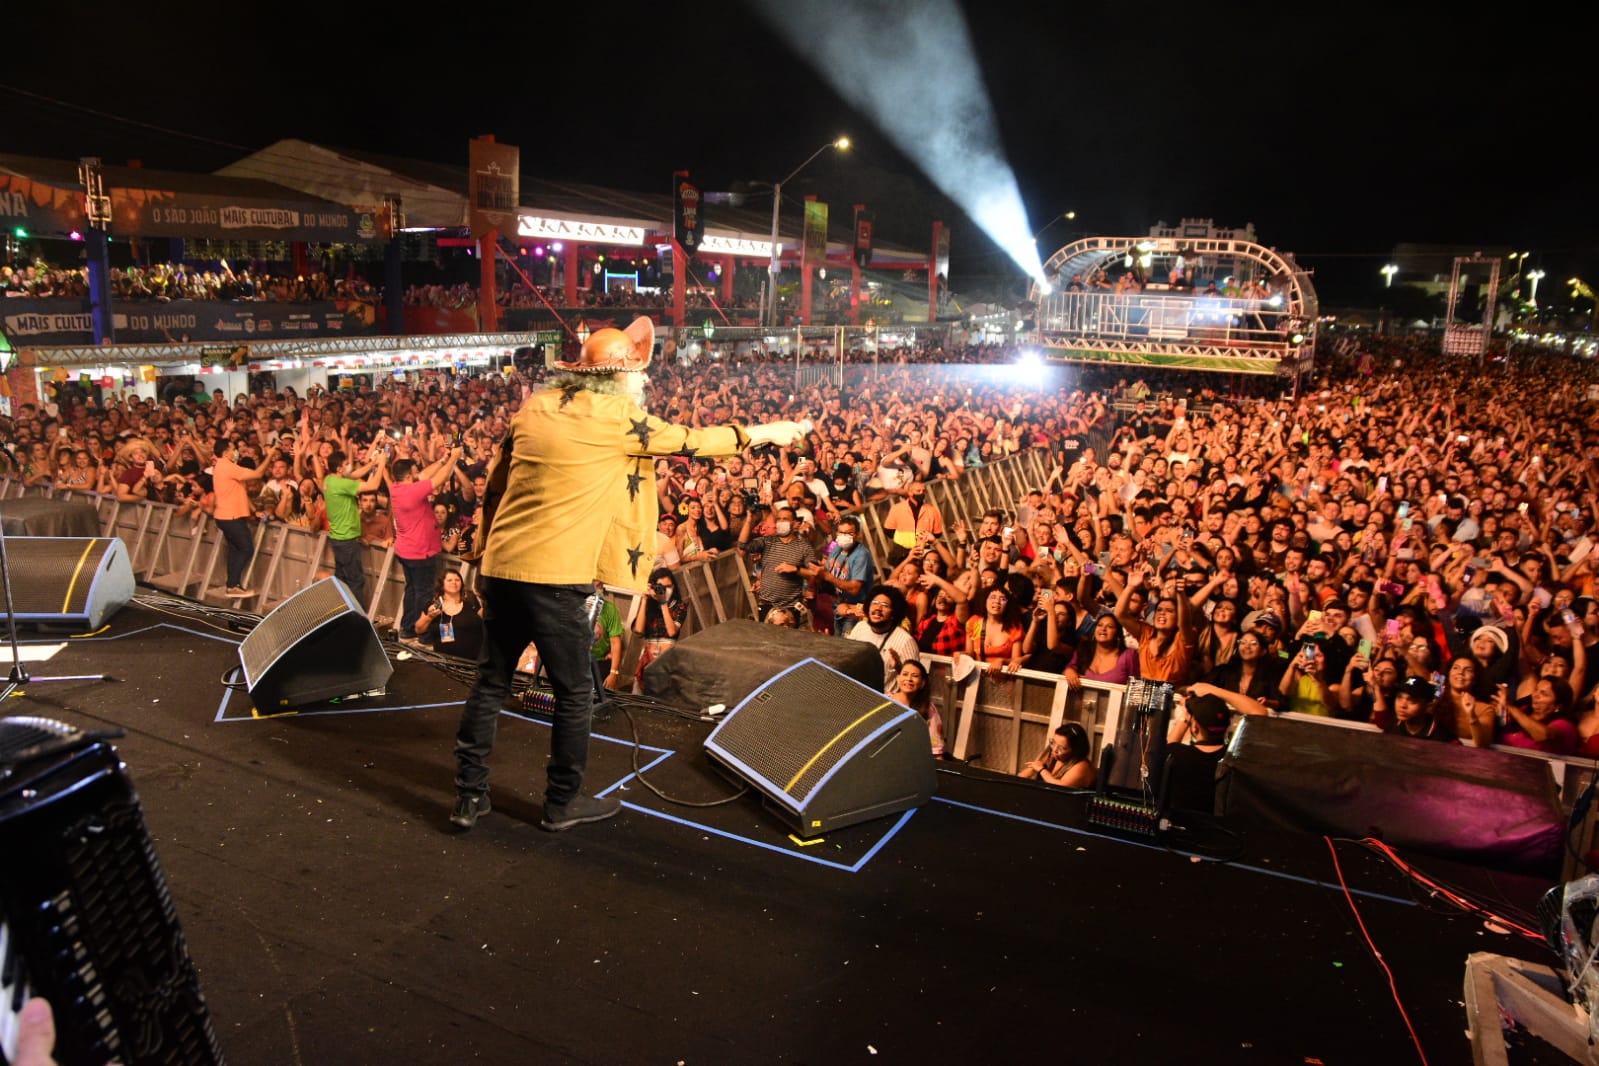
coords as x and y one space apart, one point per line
607 651
341 486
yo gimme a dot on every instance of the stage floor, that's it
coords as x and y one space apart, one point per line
336 918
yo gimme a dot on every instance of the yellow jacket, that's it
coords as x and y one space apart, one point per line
578 500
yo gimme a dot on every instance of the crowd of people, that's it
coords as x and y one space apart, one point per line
165 282
1403 543
218 280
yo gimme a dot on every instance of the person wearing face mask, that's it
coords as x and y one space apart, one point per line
787 561
912 515
844 578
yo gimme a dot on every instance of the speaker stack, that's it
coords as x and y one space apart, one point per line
316 645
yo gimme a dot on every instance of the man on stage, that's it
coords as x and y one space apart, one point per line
571 500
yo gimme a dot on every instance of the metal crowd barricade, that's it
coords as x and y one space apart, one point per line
998 721
998 485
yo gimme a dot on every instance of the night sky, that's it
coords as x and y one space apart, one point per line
1338 133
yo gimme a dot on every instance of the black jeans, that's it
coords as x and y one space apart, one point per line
239 533
553 617
421 575
349 566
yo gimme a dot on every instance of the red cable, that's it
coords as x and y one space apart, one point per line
1464 904
1392 986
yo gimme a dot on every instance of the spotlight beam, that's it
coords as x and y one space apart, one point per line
946 124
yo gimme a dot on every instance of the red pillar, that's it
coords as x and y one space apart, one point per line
569 257
301 260
729 265
679 285
855 274
488 305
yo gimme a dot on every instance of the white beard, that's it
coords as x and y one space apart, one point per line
632 384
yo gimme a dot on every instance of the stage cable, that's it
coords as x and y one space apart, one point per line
1392 985
638 773
1453 895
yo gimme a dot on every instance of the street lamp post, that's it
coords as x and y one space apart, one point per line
769 313
1388 273
1534 276
1069 216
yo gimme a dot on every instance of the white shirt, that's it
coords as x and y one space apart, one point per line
896 641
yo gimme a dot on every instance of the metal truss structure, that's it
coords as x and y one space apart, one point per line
1164 326
1463 338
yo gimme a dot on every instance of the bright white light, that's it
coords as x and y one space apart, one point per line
945 123
1275 300
1030 368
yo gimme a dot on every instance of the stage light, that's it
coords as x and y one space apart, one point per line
946 124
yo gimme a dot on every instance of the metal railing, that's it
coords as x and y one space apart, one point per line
995 720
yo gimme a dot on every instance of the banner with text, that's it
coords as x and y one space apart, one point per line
62 321
494 186
39 207
688 224
165 213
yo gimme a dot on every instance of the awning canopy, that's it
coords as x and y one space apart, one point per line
44 196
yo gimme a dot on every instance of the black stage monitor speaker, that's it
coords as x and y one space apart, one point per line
826 750
727 662
79 581
314 646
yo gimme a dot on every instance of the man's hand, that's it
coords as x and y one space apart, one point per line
780 433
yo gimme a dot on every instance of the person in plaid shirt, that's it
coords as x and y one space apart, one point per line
943 632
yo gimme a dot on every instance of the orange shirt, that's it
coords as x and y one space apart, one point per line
1173 666
233 499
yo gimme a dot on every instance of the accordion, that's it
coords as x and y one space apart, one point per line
86 920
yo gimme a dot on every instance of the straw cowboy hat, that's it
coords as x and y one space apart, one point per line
609 351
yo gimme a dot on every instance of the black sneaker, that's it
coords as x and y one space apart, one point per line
468 809
577 810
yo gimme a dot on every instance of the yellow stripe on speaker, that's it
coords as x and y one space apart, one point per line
836 738
76 573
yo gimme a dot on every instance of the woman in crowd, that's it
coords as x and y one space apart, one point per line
660 617
694 532
453 622
910 687
1218 640
1052 631
1541 722
1105 657
995 638
78 472
1250 674
1460 713
1065 761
